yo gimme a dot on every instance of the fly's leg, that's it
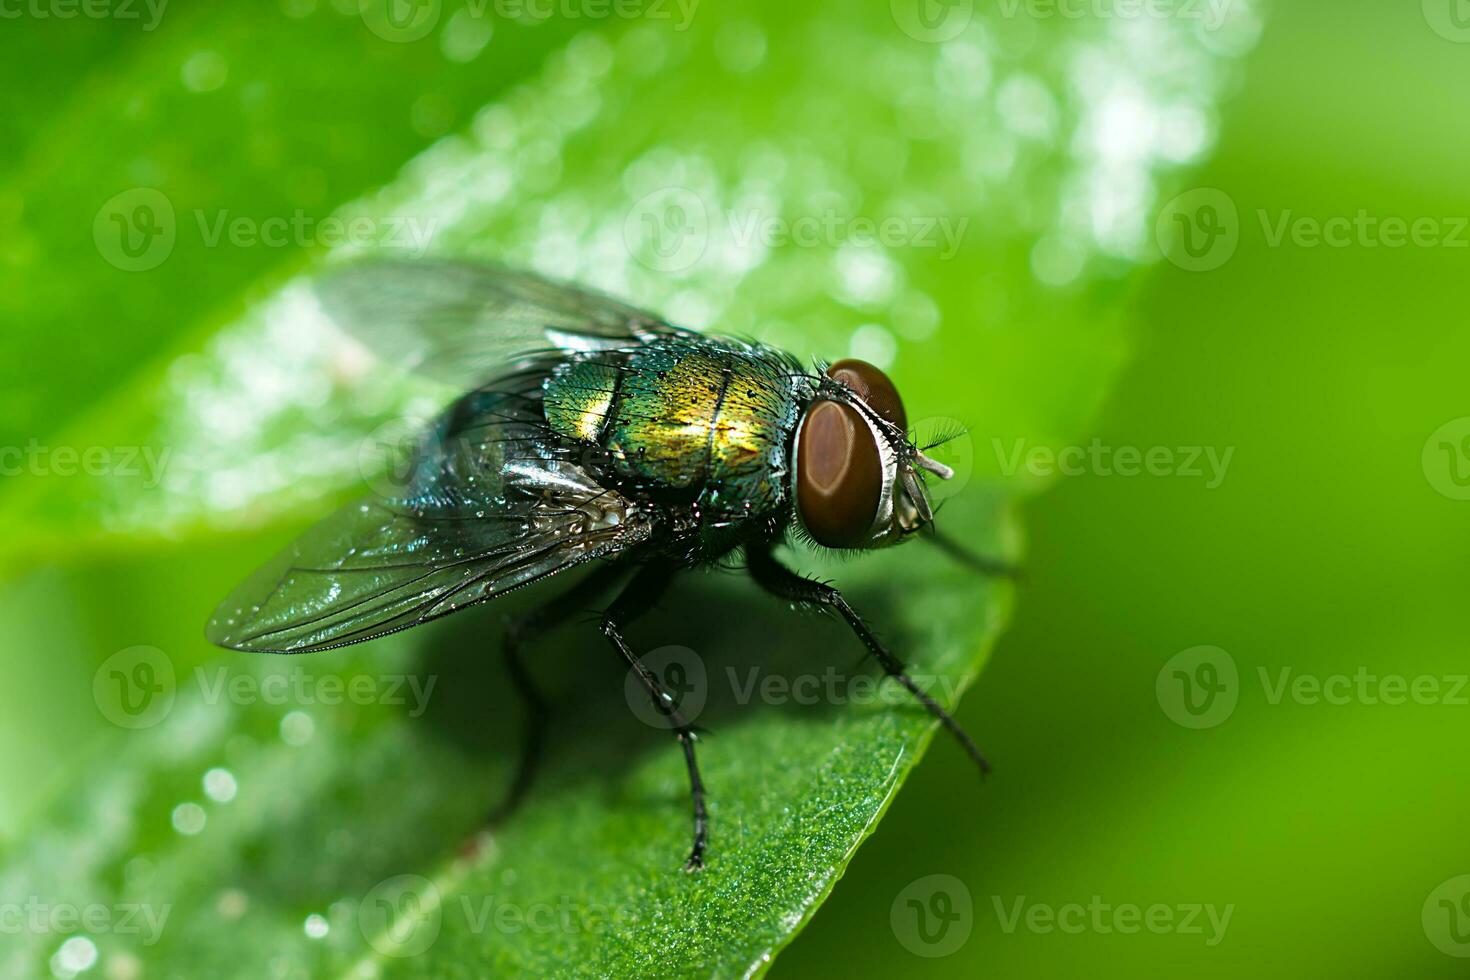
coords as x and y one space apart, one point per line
518 632
635 600
780 581
982 564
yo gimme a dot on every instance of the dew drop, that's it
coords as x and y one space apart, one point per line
297 728
188 818
220 785
232 904
465 36
205 71
873 343
75 955
124 966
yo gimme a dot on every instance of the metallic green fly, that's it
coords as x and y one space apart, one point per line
591 433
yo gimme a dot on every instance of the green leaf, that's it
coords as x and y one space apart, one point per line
326 806
736 175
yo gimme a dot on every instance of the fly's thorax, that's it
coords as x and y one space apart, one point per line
709 422
578 398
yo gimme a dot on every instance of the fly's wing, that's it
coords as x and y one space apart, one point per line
462 322
489 504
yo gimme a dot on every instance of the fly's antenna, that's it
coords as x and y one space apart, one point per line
932 466
948 433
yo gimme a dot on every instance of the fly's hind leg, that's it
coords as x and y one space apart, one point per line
518 632
634 601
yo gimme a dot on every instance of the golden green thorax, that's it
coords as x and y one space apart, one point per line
709 417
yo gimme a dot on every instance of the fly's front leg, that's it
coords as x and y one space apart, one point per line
975 562
518 632
780 581
635 600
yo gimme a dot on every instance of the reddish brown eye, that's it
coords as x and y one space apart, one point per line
873 387
839 475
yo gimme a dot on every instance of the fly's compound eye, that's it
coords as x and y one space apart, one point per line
839 475
873 387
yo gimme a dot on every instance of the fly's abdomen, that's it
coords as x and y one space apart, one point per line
705 420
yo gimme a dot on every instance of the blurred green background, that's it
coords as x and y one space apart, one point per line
1332 545
1326 549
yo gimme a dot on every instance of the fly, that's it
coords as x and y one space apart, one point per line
591 433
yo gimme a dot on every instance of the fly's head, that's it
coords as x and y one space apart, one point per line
859 481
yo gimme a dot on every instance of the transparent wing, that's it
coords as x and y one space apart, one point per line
488 505
462 322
